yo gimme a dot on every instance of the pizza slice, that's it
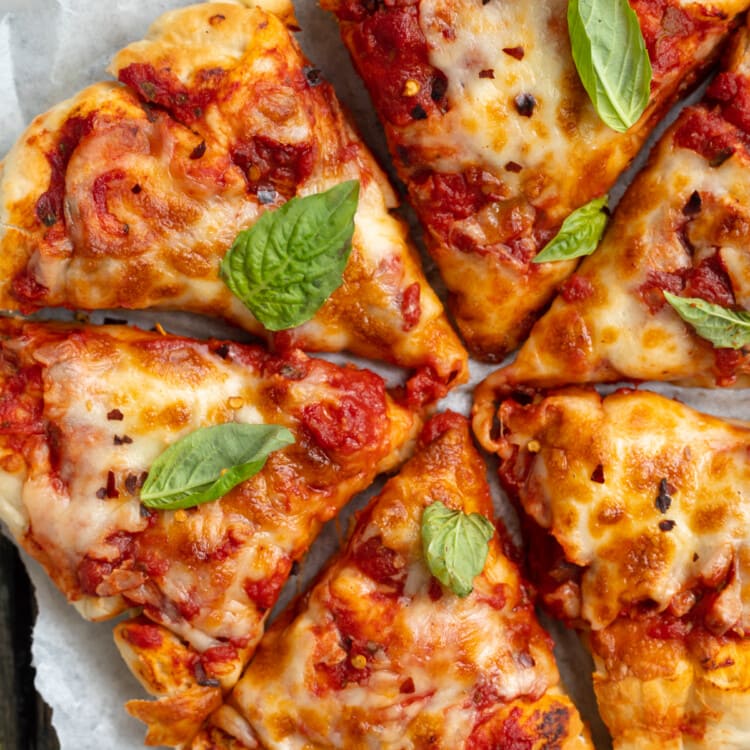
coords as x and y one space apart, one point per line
86 414
130 194
493 133
680 233
638 527
382 653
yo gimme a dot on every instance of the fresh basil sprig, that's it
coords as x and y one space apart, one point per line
724 328
579 234
611 57
291 260
455 545
207 463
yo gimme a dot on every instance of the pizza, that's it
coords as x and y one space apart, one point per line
681 229
494 135
129 194
637 514
380 653
86 412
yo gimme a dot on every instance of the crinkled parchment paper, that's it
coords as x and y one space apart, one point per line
49 49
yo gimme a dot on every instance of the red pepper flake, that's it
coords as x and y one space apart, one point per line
115 415
418 113
216 19
136 189
598 474
513 166
198 151
111 485
663 499
525 104
131 484
693 206
124 440
487 73
435 590
407 686
515 52
101 493
666 525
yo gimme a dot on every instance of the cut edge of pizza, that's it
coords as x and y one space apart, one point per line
666 294
496 139
89 414
636 510
383 652
129 195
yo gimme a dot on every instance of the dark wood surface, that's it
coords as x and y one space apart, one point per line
24 717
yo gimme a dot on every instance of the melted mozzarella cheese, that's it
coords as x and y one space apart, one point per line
483 125
645 445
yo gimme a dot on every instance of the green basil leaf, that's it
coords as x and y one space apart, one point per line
579 234
291 260
724 328
455 545
207 463
610 54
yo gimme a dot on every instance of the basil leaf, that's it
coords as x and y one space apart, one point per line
579 234
207 463
455 545
610 54
291 260
724 328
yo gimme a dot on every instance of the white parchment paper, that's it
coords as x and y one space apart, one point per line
49 49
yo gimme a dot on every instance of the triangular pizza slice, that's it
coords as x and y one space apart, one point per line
382 654
678 241
130 196
638 528
85 414
494 135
